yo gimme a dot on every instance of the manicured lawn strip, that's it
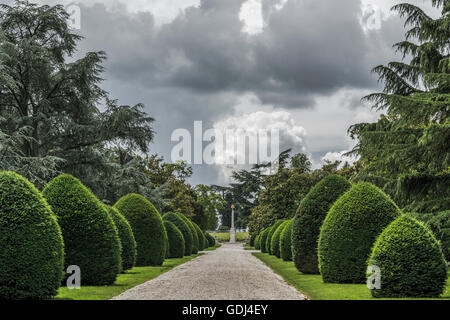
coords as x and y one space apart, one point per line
249 248
217 245
225 236
314 288
130 279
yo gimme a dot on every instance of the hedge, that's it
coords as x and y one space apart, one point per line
258 242
311 213
275 242
410 260
148 229
439 223
184 228
211 240
195 240
126 237
270 235
176 241
285 242
200 235
263 239
32 249
349 231
91 239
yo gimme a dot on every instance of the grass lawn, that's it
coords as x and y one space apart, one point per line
225 236
217 245
314 288
126 281
249 248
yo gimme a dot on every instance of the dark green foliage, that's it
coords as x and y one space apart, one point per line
200 236
349 231
270 235
176 240
126 237
275 242
148 229
205 241
406 153
410 260
181 224
258 242
285 242
439 223
252 239
263 239
195 241
91 239
311 212
211 240
31 245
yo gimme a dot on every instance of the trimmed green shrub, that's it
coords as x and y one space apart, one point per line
263 239
148 229
200 235
252 239
311 213
410 260
439 223
195 240
31 244
91 239
181 224
258 242
211 240
285 242
176 240
126 237
275 242
349 231
270 235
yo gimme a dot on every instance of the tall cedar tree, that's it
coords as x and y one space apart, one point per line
407 151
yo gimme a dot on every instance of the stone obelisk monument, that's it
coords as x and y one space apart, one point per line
233 229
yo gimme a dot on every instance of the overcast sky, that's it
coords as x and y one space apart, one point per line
303 65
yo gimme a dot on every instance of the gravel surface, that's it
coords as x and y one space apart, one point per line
228 273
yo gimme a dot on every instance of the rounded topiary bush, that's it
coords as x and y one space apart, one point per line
126 237
270 235
410 260
195 240
181 224
439 223
148 229
275 242
91 239
211 240
206 242
31 245
263 239
176 240
349 231
258 242
285 242
311 213
200 236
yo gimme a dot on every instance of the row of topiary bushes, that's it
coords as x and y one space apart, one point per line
340 230
42 234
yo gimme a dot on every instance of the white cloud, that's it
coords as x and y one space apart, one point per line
254 121
251 16
339 156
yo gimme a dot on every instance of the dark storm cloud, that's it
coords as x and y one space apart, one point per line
307 48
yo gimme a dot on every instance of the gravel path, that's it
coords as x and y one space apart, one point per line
228 273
